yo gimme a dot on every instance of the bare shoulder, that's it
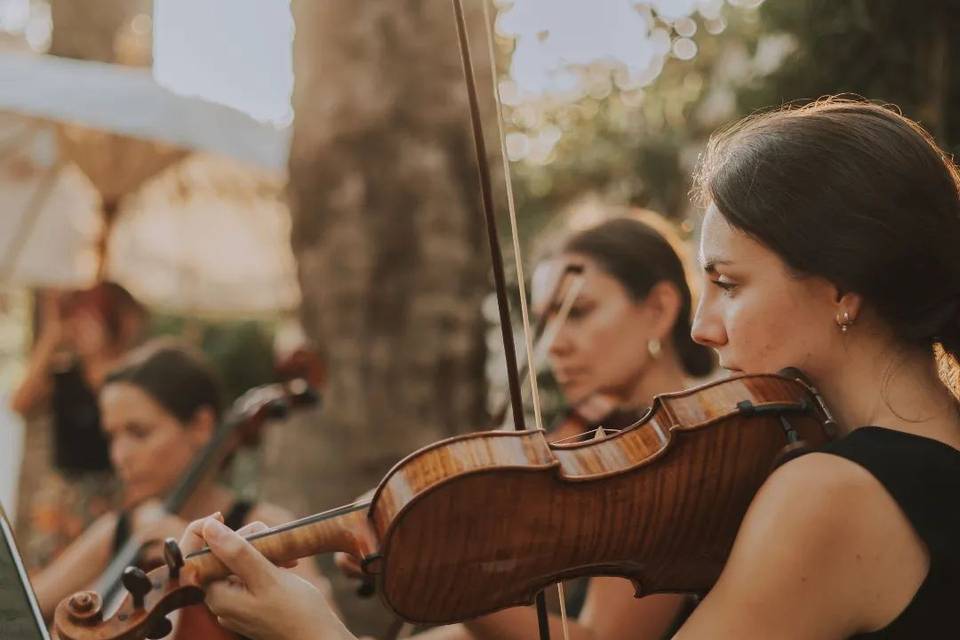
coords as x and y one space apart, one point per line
823 550
843 521
269 514
814 488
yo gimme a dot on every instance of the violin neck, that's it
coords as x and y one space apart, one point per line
345 529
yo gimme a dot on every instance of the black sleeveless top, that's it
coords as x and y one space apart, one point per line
923 476
233 519
80 445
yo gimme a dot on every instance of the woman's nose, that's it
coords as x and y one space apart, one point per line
561 343
119 453
707 328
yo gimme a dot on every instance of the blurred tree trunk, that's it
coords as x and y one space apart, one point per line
389 240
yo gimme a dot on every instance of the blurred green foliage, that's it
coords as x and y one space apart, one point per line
640 147
898 52
240 350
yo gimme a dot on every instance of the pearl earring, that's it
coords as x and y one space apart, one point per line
653 347
845 322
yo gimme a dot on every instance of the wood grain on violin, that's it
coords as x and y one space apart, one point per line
484 521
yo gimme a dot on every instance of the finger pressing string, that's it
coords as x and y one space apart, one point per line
240 557
192 538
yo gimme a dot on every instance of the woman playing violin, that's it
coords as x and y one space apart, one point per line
625 339
159 407
829 244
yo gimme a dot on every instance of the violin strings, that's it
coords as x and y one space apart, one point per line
587 435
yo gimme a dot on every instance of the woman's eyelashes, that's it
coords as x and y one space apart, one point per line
727 286
138 431
577 310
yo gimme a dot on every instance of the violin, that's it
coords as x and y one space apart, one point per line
484 521
243 425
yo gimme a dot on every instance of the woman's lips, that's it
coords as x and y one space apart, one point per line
569 376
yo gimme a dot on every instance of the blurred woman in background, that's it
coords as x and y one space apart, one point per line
627 335
159 407
82 335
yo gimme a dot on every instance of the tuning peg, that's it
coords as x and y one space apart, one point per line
85 607
159 629
137 583
173 557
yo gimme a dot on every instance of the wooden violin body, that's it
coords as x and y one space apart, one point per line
659 503
484 521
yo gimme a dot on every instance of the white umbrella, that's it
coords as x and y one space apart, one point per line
211 236
207 235
128 101
49 221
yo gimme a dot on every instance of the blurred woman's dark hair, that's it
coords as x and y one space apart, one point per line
858 194
639 256
123 316
175 375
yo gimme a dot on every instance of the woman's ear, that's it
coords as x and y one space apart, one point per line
849 302
201 427
663 306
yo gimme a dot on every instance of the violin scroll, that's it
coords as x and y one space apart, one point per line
143 611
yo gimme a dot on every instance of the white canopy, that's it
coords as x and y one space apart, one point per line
207 233
128 101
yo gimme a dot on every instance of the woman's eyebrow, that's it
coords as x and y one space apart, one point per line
710 264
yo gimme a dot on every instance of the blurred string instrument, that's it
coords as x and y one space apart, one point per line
242 426
658 503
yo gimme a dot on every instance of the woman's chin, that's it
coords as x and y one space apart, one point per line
136 493
574 394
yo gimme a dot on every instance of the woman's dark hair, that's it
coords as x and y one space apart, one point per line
116 306
857 194
639 257
176 376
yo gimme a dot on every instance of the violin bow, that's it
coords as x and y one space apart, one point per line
486 192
